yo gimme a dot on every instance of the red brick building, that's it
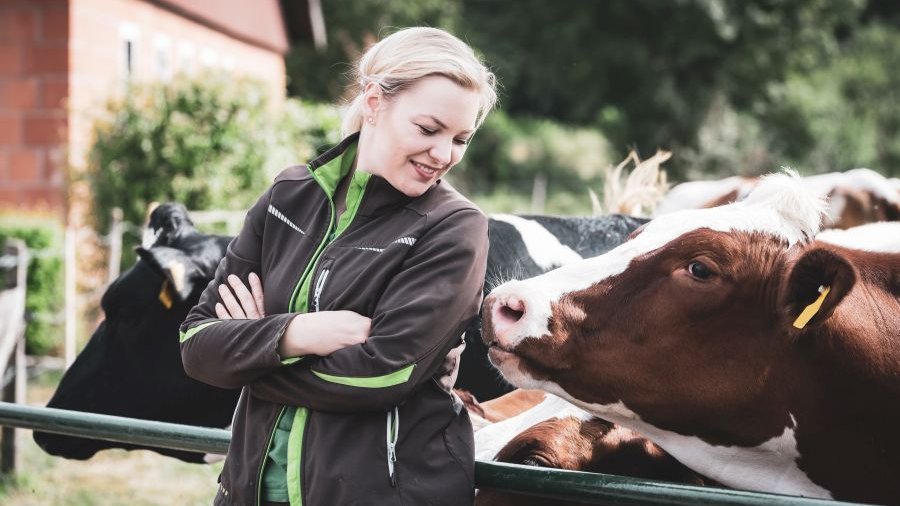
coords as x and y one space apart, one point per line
61 59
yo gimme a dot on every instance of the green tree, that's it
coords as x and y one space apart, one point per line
646 71
352 25
845 114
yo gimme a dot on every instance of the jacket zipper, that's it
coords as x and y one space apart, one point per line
391 435
310 268
330 236
262 465
320 285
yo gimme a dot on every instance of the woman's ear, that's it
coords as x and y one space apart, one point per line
816 284
373 100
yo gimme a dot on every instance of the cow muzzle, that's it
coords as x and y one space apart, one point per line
502 314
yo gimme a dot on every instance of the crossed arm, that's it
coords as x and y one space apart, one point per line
321 333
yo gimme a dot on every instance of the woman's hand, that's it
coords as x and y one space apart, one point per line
324 332
242 304
321 333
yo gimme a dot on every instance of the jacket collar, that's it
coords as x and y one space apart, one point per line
330 167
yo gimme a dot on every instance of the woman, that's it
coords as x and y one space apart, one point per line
372 267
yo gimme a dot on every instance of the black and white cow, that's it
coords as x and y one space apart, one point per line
132 366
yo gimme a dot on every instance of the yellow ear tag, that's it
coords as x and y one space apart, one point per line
164 296
811 310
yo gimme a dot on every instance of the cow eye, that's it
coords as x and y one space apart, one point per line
699 270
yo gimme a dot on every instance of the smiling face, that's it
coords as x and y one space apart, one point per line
416 136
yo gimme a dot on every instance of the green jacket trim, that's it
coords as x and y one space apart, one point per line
327 176
388 380
184 336
295 450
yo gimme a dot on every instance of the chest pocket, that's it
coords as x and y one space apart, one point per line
354 277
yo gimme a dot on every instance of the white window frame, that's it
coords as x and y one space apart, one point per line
129 41
187 56
162 57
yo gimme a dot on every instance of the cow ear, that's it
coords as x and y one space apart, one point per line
816 284
176 268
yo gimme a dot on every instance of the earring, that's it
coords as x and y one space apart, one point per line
371 120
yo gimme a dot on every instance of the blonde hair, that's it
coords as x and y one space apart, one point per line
401 59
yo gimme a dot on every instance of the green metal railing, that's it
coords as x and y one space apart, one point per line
550 483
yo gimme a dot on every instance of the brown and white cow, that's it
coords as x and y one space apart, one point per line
880 236
854 197
688 333
588 444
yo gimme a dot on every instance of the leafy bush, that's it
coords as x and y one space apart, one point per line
44 296
861 87
509 152
209 143
841 115
199 142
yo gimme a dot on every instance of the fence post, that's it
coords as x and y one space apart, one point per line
71 297
539 193
12 345
115 245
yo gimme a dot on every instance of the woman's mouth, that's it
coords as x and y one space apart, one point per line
424 171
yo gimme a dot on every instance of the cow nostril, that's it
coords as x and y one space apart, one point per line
505 314
511 314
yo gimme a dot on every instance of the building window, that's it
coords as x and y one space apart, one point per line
209 58
186 56
162 57
128 37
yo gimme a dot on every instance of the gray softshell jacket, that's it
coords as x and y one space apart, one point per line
373 423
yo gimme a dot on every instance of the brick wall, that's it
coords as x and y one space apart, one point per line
59 62
34 63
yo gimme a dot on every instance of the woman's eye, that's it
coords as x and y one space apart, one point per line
425 130
699 270
461 142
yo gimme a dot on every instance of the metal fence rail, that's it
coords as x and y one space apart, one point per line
550 483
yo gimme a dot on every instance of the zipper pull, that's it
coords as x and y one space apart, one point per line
393 429
392 458
320 285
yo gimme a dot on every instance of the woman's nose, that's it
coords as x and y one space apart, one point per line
441 152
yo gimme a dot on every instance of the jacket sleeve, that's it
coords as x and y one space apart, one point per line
233 353
419 318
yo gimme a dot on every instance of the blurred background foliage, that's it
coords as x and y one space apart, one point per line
210 143
731 86
44 297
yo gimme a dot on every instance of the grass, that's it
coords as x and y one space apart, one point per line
110 478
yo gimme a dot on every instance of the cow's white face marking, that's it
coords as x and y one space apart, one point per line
543 247
150 236
779 206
